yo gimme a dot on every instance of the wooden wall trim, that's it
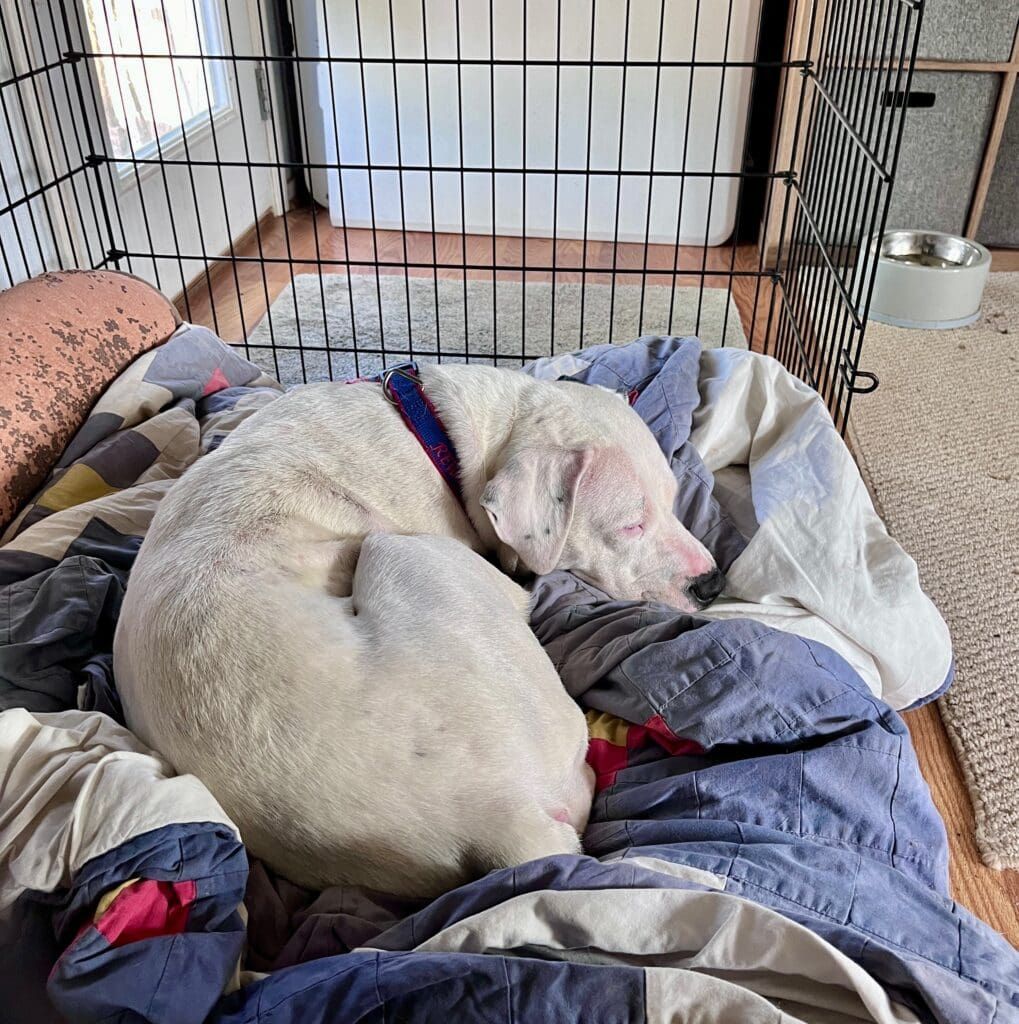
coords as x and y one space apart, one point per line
994 137
202 283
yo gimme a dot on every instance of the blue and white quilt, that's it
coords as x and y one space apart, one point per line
762 846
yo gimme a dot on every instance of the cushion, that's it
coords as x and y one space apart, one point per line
63 337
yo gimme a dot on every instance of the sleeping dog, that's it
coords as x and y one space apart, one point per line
311 629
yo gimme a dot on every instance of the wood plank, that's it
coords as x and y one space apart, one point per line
196 295
929 64
936 64
993 144
991 895
1005 259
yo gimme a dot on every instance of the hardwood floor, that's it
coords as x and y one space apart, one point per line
238 299
1005 259
991 895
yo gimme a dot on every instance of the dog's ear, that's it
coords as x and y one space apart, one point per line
530 502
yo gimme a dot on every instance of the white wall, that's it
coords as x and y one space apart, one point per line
710 106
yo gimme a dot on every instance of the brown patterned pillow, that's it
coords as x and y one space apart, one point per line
63 338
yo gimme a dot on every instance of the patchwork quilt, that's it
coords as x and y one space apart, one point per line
762 846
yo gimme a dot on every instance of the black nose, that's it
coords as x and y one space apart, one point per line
704 589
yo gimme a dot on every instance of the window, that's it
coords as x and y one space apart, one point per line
151 103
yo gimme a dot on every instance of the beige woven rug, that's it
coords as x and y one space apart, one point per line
939 443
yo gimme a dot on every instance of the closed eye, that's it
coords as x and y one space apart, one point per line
636 525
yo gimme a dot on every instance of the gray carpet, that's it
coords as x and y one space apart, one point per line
939 444
493 328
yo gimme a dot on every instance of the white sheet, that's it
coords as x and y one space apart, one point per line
820 562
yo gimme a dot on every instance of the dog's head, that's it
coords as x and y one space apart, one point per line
584 486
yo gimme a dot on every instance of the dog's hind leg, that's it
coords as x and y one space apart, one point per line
526 832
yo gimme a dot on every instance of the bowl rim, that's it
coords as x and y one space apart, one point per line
982 262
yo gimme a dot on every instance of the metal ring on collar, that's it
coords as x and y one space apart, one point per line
387 375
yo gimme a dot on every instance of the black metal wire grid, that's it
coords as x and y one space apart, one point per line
817 153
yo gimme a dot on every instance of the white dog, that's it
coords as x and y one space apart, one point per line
367 702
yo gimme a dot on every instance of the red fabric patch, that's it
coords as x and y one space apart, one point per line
632 396
216 383
606 759
665 737
147 910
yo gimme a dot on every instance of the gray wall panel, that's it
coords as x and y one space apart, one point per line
1000 222
941 150
968 29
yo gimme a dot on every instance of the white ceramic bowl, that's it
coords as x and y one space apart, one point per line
928 279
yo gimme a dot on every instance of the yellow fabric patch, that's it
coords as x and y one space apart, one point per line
108 897
78 485
603 726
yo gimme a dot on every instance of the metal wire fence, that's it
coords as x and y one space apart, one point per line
337 185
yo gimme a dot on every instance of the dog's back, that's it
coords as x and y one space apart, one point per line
372 712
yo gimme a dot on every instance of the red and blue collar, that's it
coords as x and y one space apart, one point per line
402 387
403 390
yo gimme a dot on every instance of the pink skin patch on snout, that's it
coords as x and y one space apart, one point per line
563 815
693 560
685 561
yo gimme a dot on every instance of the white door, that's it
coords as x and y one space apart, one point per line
607 118
170 125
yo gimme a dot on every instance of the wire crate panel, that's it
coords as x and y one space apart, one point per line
338 184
